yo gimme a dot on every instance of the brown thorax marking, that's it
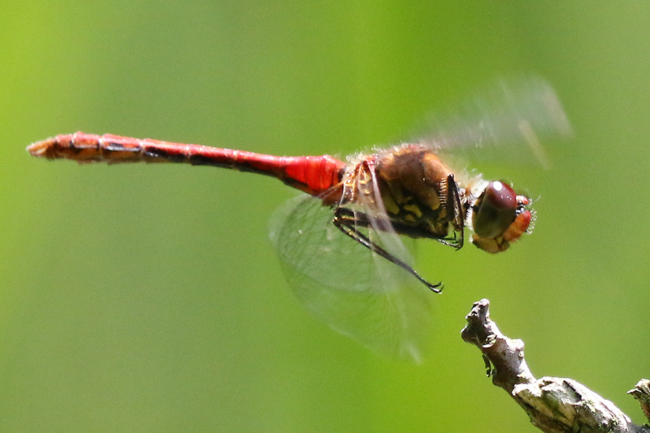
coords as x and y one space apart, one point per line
413 188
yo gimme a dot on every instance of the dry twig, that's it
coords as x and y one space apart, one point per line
553 404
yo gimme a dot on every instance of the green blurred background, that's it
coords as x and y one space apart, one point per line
148 298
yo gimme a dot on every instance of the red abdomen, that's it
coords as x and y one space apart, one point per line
311 174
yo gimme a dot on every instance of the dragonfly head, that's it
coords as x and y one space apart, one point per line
499 217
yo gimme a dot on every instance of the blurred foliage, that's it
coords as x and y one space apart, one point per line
147 298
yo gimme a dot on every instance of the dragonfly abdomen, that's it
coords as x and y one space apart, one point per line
312 174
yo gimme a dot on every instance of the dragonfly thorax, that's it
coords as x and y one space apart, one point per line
413 188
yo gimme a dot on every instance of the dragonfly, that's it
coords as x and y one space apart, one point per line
343 243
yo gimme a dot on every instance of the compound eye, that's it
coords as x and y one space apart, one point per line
495 210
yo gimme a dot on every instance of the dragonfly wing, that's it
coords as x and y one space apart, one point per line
347 286
509 117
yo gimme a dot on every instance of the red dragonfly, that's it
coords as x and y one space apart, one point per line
341 244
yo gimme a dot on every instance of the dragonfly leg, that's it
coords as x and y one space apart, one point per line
453 207
345 220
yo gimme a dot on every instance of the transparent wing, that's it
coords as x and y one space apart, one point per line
509 116
345 285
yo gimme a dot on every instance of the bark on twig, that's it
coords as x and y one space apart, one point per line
642 393
553 404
